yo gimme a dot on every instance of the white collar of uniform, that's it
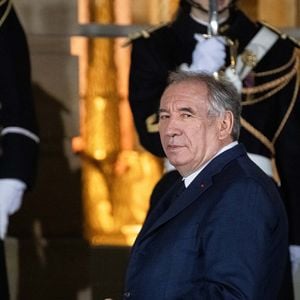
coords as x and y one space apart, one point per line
188 180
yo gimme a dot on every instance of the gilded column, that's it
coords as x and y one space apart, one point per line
101 132
118 175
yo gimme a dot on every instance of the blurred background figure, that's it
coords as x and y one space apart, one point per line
263 65
19 137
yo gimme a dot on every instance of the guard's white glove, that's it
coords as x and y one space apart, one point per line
234 79
208 56
295 259
11 194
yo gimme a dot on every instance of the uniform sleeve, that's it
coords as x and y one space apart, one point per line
288 164
148 76
19 136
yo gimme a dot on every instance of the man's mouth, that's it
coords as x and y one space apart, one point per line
174 147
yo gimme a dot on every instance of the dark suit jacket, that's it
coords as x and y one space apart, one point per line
168 47
224 237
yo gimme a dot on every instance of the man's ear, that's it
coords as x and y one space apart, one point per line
225 125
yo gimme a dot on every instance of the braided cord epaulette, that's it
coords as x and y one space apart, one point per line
270 143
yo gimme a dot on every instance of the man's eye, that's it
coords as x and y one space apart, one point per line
163 117
186 115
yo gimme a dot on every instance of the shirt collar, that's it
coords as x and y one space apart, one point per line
188 180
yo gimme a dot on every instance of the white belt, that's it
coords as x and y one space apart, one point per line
256 49
263 162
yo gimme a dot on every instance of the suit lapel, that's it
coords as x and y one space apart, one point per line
158 210
194 191
187 197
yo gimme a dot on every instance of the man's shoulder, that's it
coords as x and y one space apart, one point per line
243 171
236 166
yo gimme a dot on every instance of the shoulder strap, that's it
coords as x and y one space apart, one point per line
283 35
256 49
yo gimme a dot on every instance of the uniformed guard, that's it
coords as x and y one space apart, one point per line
262 63
18 131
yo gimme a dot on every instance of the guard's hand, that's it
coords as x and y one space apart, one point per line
11 194
234 79
208 56
295 259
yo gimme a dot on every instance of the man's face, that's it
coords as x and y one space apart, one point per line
221 4
189 136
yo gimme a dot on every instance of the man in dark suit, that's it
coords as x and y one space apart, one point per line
269 90
18 130
220 232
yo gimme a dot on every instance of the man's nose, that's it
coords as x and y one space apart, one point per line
173 127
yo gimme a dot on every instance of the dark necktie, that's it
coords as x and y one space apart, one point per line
181 187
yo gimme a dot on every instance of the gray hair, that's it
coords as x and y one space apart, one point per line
222 95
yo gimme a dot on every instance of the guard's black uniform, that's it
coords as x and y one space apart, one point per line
19 137
273 110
